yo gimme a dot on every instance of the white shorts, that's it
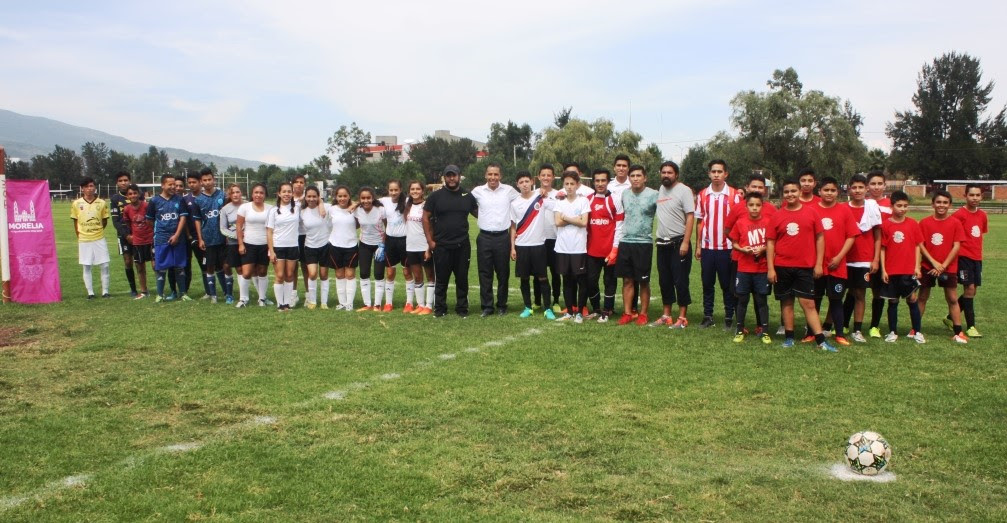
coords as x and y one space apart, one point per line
92 253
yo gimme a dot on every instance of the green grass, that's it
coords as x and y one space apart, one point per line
485 420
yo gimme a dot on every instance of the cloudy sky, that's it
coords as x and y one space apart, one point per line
270 81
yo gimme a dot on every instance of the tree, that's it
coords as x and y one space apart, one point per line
562 117
118 162
594 145
346 145
743 158
95 158
19 170
511 141
946 135
324 165
377 175
434 154
61 166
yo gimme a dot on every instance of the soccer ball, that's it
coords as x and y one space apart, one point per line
868 453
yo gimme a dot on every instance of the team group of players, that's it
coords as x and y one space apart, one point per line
560 240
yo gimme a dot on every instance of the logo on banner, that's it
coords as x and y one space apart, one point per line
30 266
24 219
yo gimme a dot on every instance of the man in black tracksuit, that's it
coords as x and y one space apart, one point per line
446 224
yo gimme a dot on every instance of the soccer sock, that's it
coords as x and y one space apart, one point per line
365 291
915 317
160 282
848 303
211 283
538 290
351 292
526 292
103 269
172 282
309 293
837 317
88 282
820 338
543 289
222 280
379 291
183 283
131 278
290 292
570 294
877 307
595 301
421 296
260 287
341 291
278 294
742 311
762 308
410 289
206 280
609 302
858 326
430 295
957 329
968 309
893 318
243 284
229 285
389 291
324 298
788 334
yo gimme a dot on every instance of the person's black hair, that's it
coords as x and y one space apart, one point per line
572 165
545 166
671 164
873 174
638 167
970 186
374 195
572 175
193 175
606 172
293 204
944 193
298 175
120 174
265 190
409 199
621 157
715 161
85 181
858 178
166 177
828 180
400 202
134 187
807 171
522 174
205 171
312 188
790 181
336 192
494 164
752 194
899 196
755 177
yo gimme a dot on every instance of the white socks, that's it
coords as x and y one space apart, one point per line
243 284
88 283
323 299
389 291
379 292
260 286
420 296
104 278
365 291
278 292
410 288
311 291
351 292
289 294
430 295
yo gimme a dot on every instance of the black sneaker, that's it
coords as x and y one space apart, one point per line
707 322
501 311
486 313
728 324
90 296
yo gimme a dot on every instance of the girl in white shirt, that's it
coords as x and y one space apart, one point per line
316 241
251 232
418 257
342 254
282 224
393 206
369 216
229 228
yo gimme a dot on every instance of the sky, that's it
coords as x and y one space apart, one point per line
271 81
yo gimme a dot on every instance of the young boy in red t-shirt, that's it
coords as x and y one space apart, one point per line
864 258
840 232
901 239
970 257
795 248
141 234
748 238
942 238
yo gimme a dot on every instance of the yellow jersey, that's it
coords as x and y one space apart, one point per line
89 217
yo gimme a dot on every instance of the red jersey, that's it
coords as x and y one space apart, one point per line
747 232
136 219
863 247
713 209
741 209
975 225
939 237
815 200
885 204
900 240
838 225
795 233
604 216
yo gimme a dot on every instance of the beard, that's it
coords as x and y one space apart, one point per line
667 182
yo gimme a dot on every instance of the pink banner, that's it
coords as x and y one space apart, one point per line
34 267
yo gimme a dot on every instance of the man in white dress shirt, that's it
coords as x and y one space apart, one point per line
493 243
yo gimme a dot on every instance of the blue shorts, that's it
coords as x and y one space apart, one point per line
169 256
747 282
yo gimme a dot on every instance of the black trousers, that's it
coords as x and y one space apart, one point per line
493 258
673 272
596 267
448 260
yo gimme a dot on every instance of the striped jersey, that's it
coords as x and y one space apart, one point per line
713 208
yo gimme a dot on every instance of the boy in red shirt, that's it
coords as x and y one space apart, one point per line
840 232
864 258
140 236
795 248
756 184
970 257
876 185
942 237
808 182
901 239
748 237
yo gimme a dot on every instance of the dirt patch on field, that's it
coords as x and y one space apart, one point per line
9 336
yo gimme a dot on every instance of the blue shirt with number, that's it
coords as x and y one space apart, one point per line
209 217
165 215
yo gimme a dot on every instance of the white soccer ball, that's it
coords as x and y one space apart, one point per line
867 453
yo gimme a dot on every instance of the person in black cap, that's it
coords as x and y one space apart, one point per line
446 225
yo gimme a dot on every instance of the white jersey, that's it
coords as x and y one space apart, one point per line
299 202
395 223
344 227
284 224
371 227
255 222
416 239
529 223
548 220
616 188
571 239
229 222
316 228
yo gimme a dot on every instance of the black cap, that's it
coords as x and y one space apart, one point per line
451 169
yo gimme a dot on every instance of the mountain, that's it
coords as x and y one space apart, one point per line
26 136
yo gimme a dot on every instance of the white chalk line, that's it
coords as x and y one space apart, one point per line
843 473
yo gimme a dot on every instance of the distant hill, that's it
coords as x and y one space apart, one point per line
26 136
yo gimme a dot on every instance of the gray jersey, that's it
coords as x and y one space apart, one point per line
673 206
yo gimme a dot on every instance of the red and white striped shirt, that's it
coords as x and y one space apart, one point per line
712 208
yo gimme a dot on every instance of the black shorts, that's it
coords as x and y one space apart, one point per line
395 250
571 264
751 282
877 283
233 257
341 257
315 255
215 256
970 272
255 255
531 261
794 282
947 280
301 238
899 286
858 277
142 253
550 253
416 258
287 253
124 246
831 287
634 261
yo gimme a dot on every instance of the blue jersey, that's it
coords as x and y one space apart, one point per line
209 217
165 215
189 202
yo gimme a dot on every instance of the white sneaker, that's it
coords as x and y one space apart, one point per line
918 338
213 300
892 337
858 337
262 303
565 317
241 304
603 318
578 319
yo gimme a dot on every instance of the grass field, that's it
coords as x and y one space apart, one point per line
119 410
